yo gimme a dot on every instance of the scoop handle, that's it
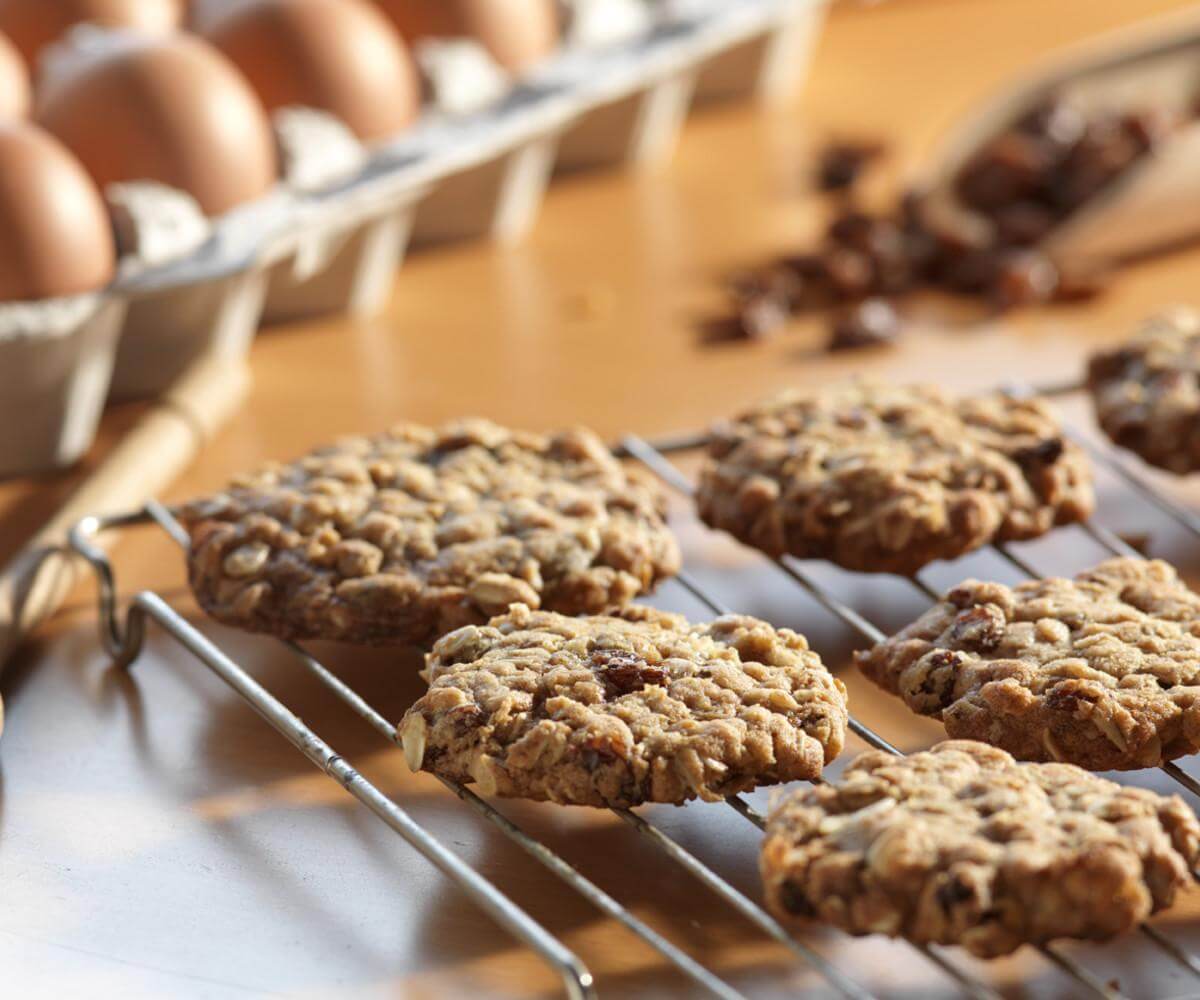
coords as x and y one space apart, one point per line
37 581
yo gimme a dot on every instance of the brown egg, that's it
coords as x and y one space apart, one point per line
517 33
33 24
170 109
340 56
14 82
57 237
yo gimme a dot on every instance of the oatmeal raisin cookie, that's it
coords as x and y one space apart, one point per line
1102 671
963 845
407 535
887 479
1147 393
615 711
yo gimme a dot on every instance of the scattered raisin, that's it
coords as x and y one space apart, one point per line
761 317
1056 120
781 283
1023 278
869 324
1023 223
1019 187
841 163
1010 168
848 272
1078 285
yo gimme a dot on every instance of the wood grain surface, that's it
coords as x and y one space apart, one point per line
158 839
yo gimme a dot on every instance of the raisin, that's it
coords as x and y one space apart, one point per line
1065 699
537 705
1039 455
848 273
980 628
972 271
794 901
1023 223
780 283
1147 127
466 718
866 233
1020 186
944 658
953 892
1114 364
622 672
597 750
1008 169
960 597
1056 121
871 323
842 163
761 317
1024 278
1078 285
1104 151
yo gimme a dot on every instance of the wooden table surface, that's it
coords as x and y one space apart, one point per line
158 839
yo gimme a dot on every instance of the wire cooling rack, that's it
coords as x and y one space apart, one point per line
123 638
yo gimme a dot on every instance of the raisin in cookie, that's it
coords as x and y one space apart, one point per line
614 711
887 479
963 845
407 535
1147 392
1102 671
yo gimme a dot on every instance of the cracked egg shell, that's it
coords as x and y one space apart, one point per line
517 33
57 236
34 24
14 82
339 56
169 109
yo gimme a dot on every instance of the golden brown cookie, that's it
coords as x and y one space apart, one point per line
1147 392
963 845
404 536
1102 671
619 710
887 479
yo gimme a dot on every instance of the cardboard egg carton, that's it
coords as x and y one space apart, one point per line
451 176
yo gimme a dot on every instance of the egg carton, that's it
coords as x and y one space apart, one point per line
295 255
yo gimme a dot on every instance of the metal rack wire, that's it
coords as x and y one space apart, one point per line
123 640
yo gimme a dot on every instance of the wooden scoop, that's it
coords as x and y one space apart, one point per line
36 582
1155 202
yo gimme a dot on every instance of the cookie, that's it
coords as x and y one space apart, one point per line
1146 393
402 537
887 479
618 710
963 845
1102 671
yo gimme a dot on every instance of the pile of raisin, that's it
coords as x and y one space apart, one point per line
1019 186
